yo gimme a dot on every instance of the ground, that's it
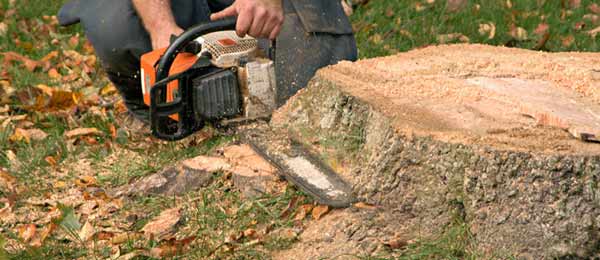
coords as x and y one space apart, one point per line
63 152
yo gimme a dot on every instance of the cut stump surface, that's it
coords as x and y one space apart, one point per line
475 93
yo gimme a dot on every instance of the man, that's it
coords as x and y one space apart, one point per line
309 34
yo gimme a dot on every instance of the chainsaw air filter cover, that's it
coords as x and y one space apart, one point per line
227 49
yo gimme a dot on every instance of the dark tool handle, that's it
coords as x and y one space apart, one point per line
160 110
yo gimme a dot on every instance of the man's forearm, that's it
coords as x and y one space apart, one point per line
157 18
155 14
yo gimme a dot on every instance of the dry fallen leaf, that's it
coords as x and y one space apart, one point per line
53 73
250 233
419 7
59 185
396 243
26 232
593 18
488 29
162 225
574 4
362 205
518 33
74 41
455 5
6 206
452 37
82 132
50 160
3 29
123 237
7 181
113 131
60 100
20 135
12 158
45 89
171 248
52 99
108 90
87 47
6 91
319 211
103 235
28 63
303 211
594 32
542 29
594 8
44 233
87 232
290 207
36 134
27 135
579 26
50 56
284 233
568 40
376 38
86 181
4 109
11 119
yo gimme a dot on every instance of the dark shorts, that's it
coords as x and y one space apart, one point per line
316 33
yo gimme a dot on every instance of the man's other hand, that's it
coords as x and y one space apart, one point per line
258 18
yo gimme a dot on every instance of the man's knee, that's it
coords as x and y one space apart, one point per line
115 31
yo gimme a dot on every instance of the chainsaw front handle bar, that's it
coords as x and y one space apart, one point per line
161 124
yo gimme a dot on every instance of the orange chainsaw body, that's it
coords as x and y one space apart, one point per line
182 62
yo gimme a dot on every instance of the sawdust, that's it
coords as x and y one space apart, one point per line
325 238
438 91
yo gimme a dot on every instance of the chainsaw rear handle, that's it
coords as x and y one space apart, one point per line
161 124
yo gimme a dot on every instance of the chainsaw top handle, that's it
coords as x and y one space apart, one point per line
162 125
164 65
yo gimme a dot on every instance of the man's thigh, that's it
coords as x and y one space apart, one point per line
314 35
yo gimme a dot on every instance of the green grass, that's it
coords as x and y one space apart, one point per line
215 221
388 26
382 27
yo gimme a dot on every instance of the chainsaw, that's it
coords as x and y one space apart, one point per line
207 74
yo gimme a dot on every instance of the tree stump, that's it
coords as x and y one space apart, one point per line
503 139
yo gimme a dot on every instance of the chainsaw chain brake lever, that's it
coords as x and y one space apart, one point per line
192 47
161 123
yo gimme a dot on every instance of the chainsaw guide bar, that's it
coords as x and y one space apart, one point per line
299 166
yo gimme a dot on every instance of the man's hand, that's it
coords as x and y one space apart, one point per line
258 18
